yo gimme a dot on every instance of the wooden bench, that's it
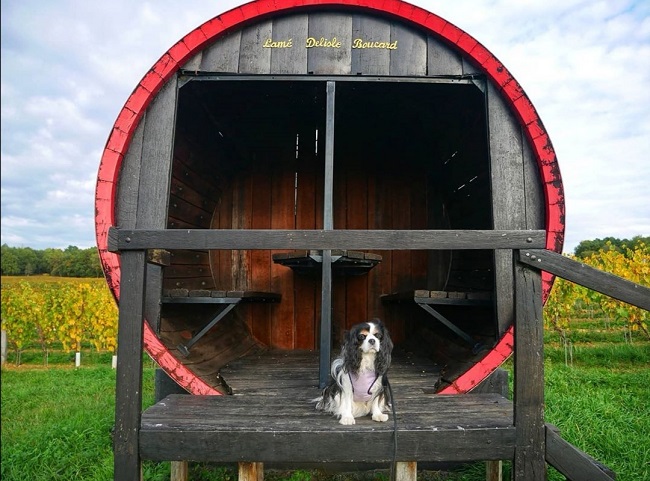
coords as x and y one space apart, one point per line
229 299
426 299
421 296
344 262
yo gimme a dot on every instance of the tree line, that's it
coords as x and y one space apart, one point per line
587 248
76 262
70 262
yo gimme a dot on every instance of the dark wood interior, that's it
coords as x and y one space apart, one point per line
250 154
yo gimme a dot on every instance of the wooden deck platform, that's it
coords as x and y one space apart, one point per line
270 418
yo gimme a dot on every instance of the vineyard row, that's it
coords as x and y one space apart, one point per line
72 313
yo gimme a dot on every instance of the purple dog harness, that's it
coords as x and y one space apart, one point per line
361 385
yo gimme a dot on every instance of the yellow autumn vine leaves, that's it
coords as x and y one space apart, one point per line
569 301
62 311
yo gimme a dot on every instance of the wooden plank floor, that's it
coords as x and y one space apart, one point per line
271 418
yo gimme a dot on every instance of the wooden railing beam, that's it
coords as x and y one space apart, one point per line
206 239
579 273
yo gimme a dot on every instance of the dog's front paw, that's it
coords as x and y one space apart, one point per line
382 418
347 420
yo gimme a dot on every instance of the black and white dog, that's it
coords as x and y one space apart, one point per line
357 387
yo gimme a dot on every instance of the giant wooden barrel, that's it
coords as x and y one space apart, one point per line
229 129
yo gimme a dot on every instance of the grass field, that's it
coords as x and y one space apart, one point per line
57 420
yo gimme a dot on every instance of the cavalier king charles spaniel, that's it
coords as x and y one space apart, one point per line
358 384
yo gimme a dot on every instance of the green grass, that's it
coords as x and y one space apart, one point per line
604 412
33 356
57 420
56 423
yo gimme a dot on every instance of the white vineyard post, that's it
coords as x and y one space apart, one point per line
3 346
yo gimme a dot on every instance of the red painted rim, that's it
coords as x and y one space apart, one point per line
130 115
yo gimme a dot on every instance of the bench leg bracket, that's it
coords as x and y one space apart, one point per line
185 348
476 346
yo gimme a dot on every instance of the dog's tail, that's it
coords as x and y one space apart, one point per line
336 371
325 402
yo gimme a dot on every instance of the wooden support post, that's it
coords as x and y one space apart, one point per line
325 320
497 383
128 386
180 471
529 461
406 471
251 471
328 224
493 470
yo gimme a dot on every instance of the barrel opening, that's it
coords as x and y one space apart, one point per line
250 153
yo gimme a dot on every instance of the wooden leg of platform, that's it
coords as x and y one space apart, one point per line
493 470
179 471
251 471
406 471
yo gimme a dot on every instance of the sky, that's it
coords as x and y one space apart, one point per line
68 66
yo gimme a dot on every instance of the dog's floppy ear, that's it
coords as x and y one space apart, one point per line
350 350
351 335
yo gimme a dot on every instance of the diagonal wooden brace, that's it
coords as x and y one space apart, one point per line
476 346
185 348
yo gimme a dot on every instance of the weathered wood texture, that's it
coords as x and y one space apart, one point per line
128 387
153 188
270 419
143 193
125 240
250 471
329 43
516 194
587 276
202 296
179 471
441 297
370 61
406 471
573 463
529 464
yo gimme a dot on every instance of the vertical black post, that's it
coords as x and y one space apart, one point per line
328 194
530 449
328 224
128 386
326 320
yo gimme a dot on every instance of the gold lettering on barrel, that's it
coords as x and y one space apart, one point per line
270 43
360 43
323 42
